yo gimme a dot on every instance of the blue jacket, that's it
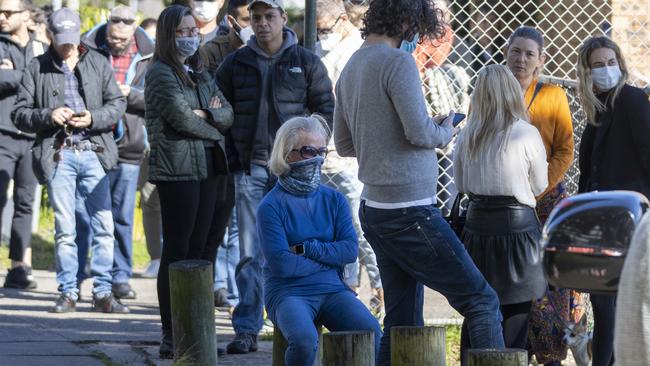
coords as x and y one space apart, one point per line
321 221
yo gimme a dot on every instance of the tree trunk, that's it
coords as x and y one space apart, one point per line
192 305
417 346
497 357
353 348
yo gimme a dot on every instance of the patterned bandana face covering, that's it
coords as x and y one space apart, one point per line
304 176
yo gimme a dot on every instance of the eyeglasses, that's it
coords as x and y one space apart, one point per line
324 31
188 31
9 13
126 21
309 152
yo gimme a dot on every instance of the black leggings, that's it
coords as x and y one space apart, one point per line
604 307
187 210
514 324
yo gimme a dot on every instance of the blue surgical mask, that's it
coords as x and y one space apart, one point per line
606 77
187 46
304 176
409 46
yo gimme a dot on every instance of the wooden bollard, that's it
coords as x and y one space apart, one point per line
497 357
353 348
417 346
192 305
280 345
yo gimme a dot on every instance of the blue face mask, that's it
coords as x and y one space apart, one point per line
187 46
409 46
304 176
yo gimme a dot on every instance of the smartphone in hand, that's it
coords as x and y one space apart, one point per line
79 114
458 118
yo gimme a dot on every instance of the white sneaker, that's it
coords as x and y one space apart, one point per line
152 269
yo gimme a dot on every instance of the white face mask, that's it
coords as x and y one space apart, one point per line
245 34
206 11
606 77
329 41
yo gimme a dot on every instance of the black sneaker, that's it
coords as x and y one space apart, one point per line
123 291
19 278
166 350
64 304
221 298
243 343
108 304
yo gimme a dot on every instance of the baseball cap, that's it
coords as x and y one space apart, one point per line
272 3
65 26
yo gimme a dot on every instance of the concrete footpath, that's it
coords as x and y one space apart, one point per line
30 335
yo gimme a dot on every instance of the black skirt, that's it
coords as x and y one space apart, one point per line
502 236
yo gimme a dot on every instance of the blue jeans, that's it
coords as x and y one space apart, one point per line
124 181
340 311
249 190
81 172
416 246
227 259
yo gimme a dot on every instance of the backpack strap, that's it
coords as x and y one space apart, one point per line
538 87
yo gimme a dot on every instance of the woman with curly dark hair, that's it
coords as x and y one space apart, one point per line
381 119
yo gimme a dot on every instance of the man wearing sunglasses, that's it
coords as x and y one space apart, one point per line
267 82
17 47
129 49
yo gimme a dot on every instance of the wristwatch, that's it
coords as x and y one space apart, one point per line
299 249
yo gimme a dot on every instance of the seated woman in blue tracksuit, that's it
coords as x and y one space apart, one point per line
307 237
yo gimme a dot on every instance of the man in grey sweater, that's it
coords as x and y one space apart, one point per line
381 118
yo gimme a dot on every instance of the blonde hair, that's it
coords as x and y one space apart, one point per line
287 137
588 99
496 103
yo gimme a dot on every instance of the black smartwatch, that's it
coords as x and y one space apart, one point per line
299 249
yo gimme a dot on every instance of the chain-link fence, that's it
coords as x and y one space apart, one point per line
476 36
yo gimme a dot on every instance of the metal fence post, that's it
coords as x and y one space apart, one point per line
310 24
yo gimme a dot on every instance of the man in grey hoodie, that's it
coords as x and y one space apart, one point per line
267 82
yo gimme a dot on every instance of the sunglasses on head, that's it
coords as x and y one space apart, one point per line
309 152
126 21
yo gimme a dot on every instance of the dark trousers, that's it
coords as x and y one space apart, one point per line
604 307
16 164
415 246
187 210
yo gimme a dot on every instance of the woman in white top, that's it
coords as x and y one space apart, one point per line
500 162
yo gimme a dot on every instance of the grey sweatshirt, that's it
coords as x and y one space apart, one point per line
265 62
381 118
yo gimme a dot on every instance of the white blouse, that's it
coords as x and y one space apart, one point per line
519 170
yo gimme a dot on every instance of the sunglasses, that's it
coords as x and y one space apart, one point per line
126 21
309 152
9 13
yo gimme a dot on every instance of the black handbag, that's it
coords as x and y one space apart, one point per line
458 214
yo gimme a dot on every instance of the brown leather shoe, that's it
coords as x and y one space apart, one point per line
108 304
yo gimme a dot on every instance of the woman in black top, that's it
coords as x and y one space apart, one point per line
614 151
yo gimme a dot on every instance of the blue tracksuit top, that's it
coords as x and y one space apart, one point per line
322 222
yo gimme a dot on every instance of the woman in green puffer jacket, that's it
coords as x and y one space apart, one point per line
187 117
